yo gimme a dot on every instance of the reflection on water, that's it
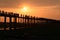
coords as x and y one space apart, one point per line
11 28
6 28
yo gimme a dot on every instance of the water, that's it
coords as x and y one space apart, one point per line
11 28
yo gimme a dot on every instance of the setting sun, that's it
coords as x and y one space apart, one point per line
25 10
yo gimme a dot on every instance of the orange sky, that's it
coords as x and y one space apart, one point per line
39 8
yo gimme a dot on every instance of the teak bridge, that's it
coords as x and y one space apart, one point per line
19 20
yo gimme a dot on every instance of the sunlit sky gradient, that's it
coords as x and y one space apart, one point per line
39 8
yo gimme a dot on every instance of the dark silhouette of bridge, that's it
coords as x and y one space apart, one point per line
20 20
31 27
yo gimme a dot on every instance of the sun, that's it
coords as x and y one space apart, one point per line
25 9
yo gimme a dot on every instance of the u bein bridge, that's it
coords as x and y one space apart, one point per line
16 20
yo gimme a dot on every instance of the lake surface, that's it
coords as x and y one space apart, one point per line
11 28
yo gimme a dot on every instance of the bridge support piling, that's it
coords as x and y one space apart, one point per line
28 22
18 19
34 20
4 22
31 20
15 23
10 23
25 21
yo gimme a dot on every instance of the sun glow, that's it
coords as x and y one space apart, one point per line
25 10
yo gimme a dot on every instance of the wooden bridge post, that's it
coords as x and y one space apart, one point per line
10 23
4 22
31 20
15 23
28 21
18 19
23 19
34 19
15 20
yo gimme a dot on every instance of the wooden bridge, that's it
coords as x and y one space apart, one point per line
19 20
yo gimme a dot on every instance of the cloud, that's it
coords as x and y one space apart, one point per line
9 3
45 2
16 3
